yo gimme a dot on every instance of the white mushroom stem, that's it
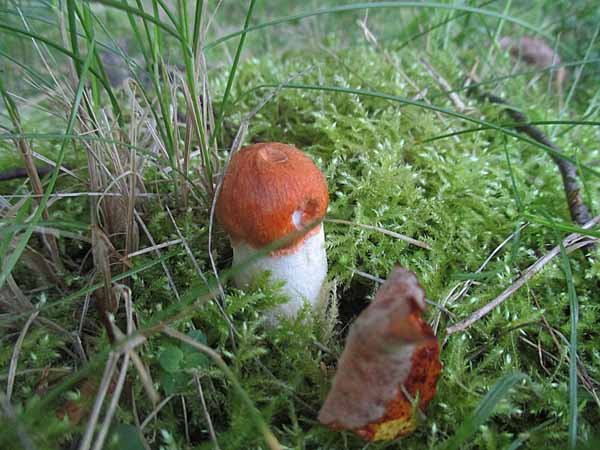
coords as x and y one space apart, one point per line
303 272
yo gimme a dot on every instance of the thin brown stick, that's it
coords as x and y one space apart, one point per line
109 370
571 242
268 435
458 103
402 237
155 411
211 430
568 171
112 407
15 356
20 172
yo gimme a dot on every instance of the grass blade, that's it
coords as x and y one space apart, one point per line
234 66
574 313
560 226
484 410
405 101
375 5
24 238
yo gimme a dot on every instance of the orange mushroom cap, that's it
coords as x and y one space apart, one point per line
271 190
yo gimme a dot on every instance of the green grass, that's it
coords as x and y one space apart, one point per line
396 154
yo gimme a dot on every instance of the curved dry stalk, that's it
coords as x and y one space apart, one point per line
155 411
568 171
112 407
109 369
268 435
572 242
12 370
211 430
393 234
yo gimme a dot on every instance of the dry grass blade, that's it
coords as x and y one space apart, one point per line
268 435
109 370
456 100
211 430
8 301
156 250
8 412
393 234
32 171
112 407
146 378
138 363
12 370
186 246
155 411
572 242
106 301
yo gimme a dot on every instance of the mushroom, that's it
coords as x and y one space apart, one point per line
271 192
390 365
537 53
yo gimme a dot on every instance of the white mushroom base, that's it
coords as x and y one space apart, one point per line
304 272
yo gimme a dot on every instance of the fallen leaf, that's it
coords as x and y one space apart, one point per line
389 367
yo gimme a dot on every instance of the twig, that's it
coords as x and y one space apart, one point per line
568 171
211 430
15 356
112 407
402 237
20 172
458 103
571 242
156 410
109 369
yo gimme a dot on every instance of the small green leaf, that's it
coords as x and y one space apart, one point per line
172 383
198 335
170 359
193 357
125 437
167 381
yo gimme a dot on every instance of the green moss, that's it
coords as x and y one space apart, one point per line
384 170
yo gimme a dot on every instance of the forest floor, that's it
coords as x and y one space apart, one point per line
119 329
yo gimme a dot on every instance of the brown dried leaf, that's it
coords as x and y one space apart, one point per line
391 357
